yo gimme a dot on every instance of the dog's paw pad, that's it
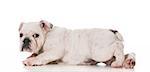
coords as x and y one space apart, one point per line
130 63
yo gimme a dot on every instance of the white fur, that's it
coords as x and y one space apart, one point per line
76 46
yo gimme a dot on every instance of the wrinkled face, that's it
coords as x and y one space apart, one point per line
32 35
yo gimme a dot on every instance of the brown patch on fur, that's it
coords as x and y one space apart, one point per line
108 63
33 55
91 62
55 62
126 56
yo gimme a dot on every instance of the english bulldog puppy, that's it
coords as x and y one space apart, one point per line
49 43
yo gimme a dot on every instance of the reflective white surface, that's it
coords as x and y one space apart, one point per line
69 68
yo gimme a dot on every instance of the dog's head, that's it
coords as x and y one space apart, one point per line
32 35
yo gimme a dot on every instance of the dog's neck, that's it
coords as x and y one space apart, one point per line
41 49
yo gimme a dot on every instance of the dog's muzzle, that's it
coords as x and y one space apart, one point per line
26 44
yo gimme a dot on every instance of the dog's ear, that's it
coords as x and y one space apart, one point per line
46 25
21 24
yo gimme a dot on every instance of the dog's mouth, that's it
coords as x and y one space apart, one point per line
26 47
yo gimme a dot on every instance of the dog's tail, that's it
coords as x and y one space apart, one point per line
118 35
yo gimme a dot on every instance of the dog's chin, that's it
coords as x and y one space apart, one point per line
26 50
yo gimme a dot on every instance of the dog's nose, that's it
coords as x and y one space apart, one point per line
26 40
26 44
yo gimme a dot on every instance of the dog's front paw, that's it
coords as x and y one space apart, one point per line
28 62
32 62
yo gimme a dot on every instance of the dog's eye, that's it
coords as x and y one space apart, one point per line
36 35
21 35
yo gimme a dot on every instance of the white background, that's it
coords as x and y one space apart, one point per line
130 17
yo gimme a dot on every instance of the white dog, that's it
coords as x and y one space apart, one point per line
75 47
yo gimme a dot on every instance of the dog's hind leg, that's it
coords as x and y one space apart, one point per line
119 55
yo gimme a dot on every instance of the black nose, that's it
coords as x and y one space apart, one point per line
26 40
26 43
